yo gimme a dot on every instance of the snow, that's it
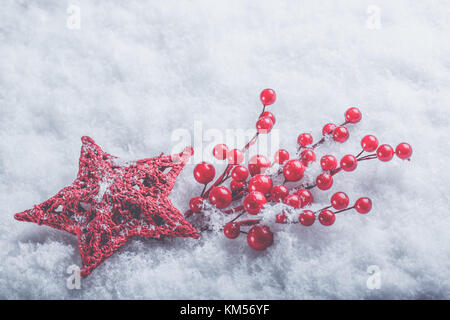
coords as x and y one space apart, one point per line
135 72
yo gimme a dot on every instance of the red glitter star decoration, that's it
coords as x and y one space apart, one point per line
111 201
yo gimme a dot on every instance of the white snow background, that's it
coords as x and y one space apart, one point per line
137 70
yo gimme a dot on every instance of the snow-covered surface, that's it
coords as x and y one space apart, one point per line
137 70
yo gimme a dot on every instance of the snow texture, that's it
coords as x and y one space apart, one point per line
136 71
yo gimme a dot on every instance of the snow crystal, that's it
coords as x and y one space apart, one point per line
104 185
136 71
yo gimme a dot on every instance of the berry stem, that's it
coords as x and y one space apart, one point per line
218 181
237 217
251 142
255 137
345 210
203 191
240 194
325 208
237 209
262 112
315 145
368 157
249 222
337 170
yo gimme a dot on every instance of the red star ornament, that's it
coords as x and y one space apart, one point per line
111 201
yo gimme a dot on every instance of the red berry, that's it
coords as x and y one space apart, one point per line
307 157
268 97
232 230
327 217
369 143
293 170
328 129
281 218
278 193
264 125
328 163
258 164
353 115
270 115
260 237
403 151
305 196
220 151
385 152
281 156
239 173
293 200
339 201
236 185
324 181
307 218
204 172
254 202
363 205
196 204
235 156
220 197
349 163
304 139
261 183
340 134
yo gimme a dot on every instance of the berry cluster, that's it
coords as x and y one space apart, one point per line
254 182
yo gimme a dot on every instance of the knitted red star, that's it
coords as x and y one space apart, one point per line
111 201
